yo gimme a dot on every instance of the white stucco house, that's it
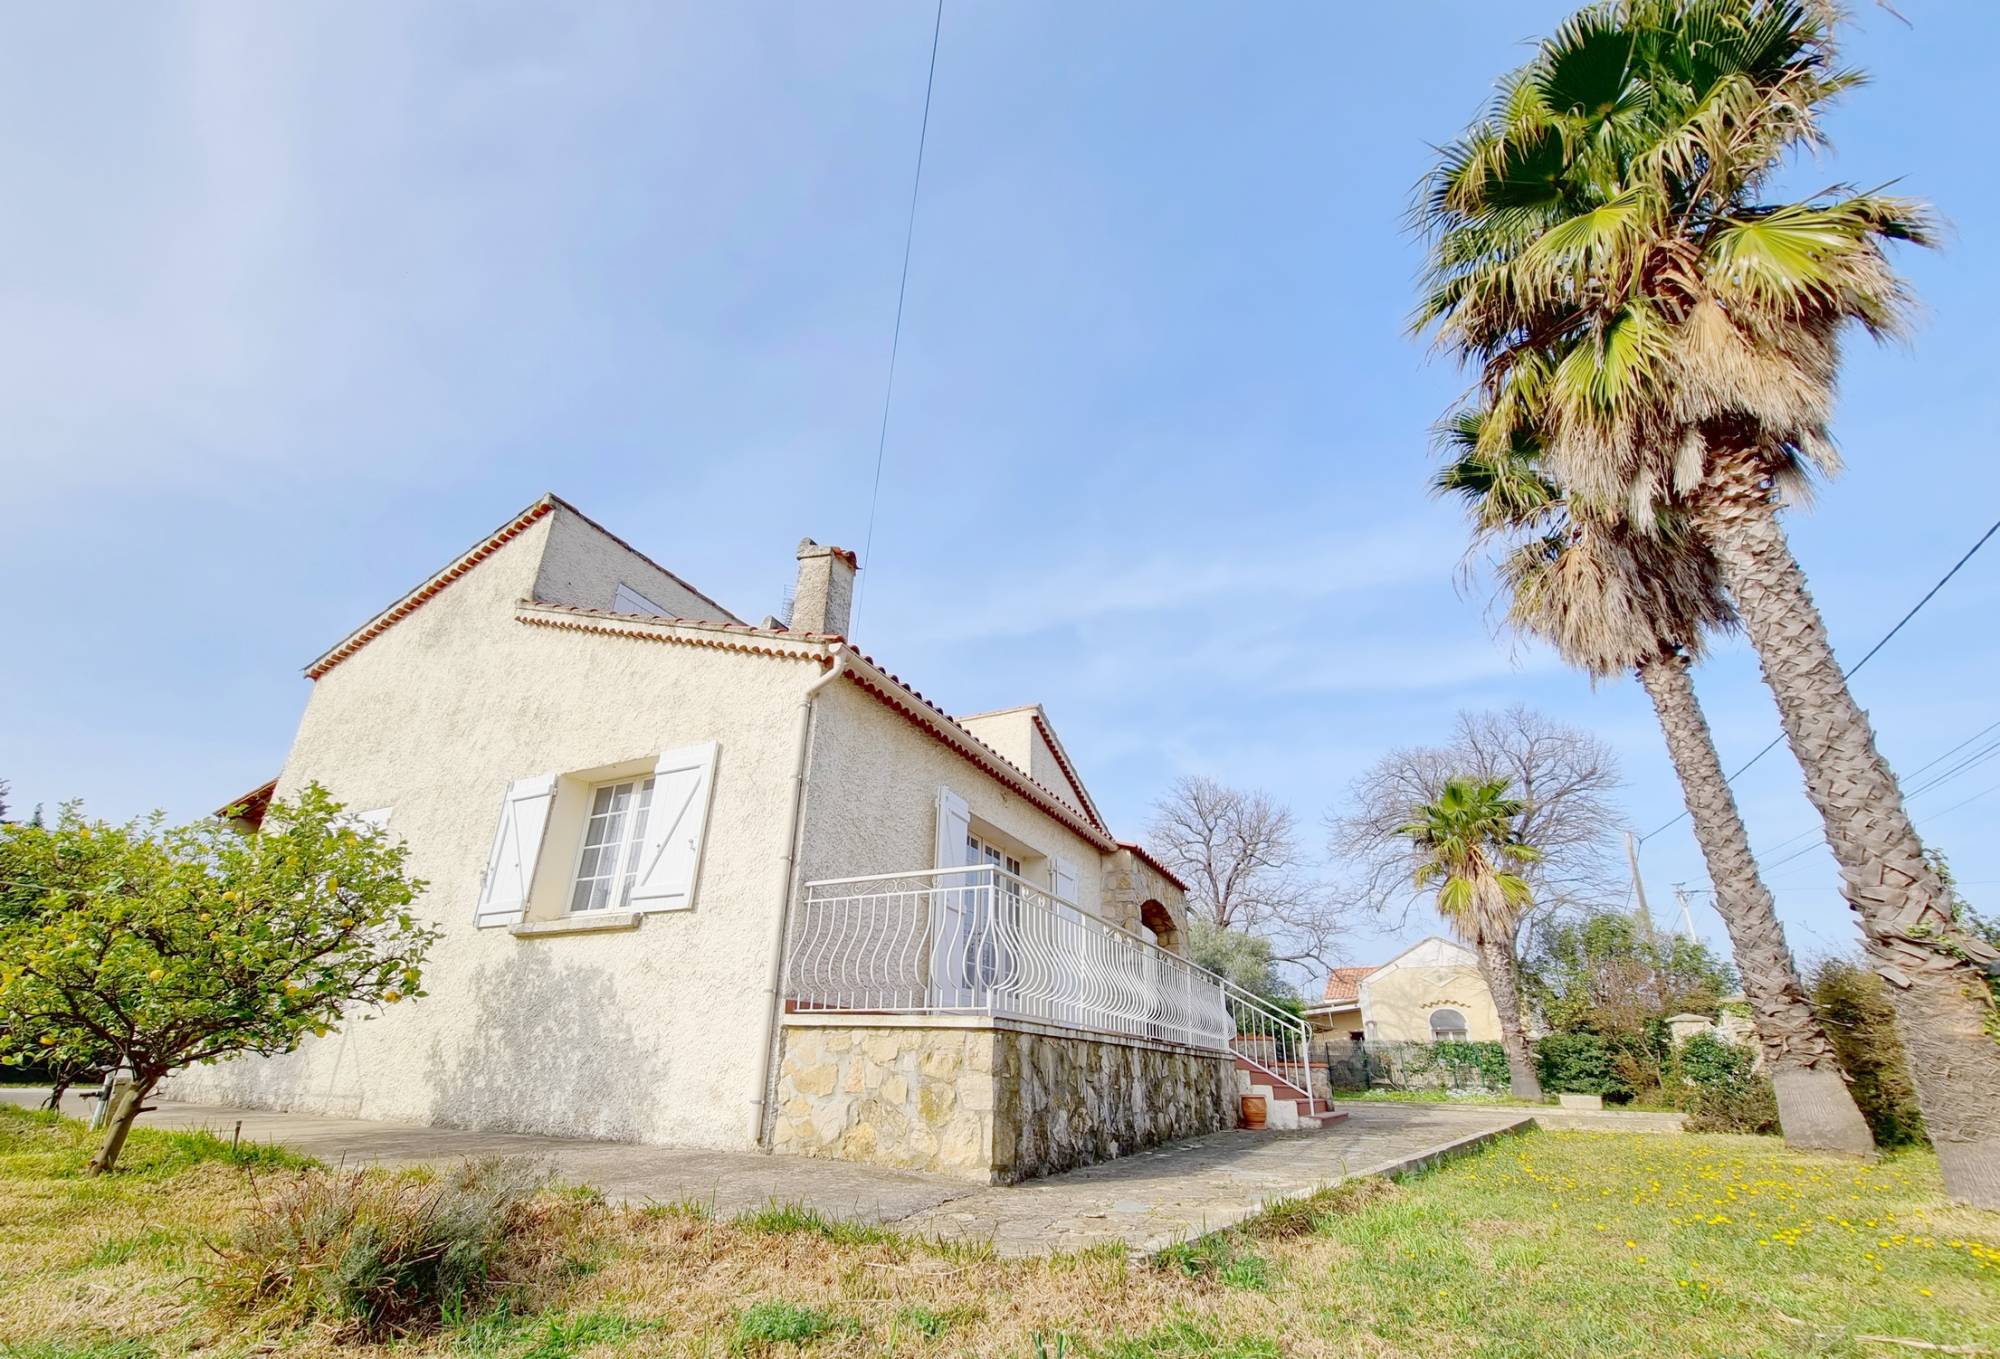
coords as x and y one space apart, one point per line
1433 991
712 883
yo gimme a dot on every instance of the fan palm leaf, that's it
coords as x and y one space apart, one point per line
1603 252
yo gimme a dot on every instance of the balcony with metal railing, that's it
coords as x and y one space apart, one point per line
978 941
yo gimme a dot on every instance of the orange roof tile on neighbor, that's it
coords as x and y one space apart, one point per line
1343 985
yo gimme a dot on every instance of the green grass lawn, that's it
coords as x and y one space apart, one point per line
1544 1244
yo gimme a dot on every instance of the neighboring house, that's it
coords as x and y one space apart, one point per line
1429 992
714 884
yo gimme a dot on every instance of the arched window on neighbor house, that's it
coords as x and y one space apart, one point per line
1447 1025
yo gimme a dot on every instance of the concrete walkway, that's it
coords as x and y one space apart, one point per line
1147 1200
1549 1117
1154 1198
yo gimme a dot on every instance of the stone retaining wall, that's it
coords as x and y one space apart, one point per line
992 1102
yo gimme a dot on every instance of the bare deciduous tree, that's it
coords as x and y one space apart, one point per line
1238 851
1565 776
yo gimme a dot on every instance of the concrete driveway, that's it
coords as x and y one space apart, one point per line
1147 1200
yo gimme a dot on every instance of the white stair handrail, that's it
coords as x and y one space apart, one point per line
1272 1039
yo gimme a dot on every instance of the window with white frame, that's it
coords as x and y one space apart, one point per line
979 852
623 837
613 835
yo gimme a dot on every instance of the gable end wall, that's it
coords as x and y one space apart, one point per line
649 1035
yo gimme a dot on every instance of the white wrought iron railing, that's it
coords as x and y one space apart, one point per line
978 940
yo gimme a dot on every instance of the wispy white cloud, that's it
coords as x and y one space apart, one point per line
1197 586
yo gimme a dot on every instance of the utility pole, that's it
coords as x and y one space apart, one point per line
1638 883
1687 915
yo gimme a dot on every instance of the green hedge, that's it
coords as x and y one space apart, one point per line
1715 1082
1579 1064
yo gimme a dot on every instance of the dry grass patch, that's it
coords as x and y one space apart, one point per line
1550 1245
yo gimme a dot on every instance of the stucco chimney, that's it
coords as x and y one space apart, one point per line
825 591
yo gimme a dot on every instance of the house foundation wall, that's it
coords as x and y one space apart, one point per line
988 1100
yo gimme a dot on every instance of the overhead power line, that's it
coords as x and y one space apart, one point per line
1921 821
1978 757
896 335
1852 670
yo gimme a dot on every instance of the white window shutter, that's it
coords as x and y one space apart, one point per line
517 847
1062 878
954 824
670 859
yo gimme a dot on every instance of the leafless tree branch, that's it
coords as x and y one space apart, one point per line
1238 851
1565 775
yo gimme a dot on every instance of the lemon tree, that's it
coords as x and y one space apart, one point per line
164 946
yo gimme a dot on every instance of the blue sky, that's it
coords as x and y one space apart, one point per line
302 299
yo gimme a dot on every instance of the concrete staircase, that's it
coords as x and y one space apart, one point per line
1287 1102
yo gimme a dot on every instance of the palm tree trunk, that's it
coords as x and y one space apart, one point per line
1815 1109
1496 961
1936 971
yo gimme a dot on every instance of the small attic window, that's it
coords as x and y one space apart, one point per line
629 600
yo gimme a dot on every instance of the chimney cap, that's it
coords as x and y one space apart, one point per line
809 548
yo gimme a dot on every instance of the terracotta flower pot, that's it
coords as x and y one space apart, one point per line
1253 1112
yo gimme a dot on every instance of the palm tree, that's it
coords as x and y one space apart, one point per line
1469 847
1602 253
1613 601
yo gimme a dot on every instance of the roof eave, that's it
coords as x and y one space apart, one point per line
864 671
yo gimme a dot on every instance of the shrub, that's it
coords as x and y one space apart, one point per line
387 1254
1751 1107
1715 1082
1853 1005
1579 1064
1711 1063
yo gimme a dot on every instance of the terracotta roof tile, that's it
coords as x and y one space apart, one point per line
727 636
1007 770
648 627
465 561
250 807
1343 984
1139 852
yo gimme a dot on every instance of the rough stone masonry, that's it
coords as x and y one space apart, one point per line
995 1101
